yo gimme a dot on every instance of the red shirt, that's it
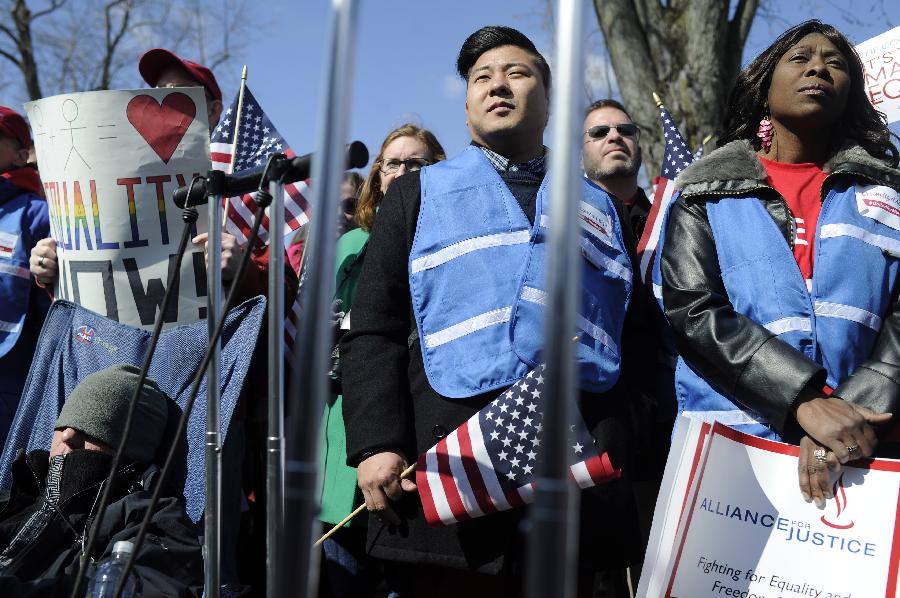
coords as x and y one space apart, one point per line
801 187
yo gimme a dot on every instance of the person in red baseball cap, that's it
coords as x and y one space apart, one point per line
23 222
161 68
15 140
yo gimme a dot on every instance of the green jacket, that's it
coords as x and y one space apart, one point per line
340 494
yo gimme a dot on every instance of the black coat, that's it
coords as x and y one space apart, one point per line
389 404
40 546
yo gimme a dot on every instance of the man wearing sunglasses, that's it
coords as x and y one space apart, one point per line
611 157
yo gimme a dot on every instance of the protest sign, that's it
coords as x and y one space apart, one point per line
109 161
746 531
685 453
881 61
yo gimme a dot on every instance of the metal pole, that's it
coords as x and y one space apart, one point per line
275 439
552 546
213 515
313 352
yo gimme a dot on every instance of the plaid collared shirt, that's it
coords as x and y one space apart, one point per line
536 166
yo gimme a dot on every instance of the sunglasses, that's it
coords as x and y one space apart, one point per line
624 129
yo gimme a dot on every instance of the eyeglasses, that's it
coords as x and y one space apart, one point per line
624 129
412 165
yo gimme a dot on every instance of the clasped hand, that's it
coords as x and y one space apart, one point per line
836 432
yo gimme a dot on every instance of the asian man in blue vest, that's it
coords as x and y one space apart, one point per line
23 222
448 315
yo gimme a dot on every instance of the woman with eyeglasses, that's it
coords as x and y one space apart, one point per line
779 273
406 149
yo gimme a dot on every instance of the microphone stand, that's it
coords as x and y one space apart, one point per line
212 521
275 436
262 199
552 550
312 353
189 215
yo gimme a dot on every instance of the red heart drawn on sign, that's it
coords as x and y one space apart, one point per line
162 125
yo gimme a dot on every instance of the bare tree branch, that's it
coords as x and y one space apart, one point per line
9 33
113 39
54 5
22 20
739 27
10 58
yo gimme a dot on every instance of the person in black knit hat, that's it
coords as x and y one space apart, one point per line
44 520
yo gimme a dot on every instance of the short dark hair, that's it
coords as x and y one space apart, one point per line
494 36
748 102
606 103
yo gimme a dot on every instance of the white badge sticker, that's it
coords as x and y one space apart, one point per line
7 244
595 222
880 203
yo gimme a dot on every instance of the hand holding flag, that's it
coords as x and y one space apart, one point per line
487 464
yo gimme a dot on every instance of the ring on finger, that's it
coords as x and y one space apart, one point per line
821 456
41 261
852 448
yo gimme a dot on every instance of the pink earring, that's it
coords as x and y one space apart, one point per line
766 132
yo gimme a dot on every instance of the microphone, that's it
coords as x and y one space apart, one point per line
286 170
298 168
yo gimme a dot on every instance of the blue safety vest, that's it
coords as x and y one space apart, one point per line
836 322
477 280
15 277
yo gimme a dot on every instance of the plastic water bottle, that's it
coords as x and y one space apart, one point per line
110 571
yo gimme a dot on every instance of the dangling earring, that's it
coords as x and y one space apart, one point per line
766 132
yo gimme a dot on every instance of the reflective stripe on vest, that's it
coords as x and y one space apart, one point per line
785 325
470 326
734 417
476 281
463 247
538 296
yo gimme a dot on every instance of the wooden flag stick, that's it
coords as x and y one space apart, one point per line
358 510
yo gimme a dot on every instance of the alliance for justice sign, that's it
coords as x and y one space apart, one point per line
109 161
734 524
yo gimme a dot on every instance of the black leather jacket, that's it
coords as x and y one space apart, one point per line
749 363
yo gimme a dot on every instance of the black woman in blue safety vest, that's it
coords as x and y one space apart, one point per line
780 261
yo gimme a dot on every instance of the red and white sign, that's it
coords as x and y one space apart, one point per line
881 61
109 162
730 521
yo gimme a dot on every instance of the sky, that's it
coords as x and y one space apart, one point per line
406 49
405 52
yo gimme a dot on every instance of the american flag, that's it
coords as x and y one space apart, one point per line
257 138
676 158
700 151
487 464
